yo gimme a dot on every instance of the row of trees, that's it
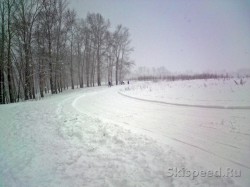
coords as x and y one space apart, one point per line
45 48
184 77
161 73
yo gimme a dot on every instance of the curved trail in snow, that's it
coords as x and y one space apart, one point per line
187 105
216 137
96 136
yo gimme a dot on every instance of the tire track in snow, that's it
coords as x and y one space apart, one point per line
76 100
74 104
197 106
200 148
188 105
210 152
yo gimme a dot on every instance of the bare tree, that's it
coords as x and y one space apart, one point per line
98 26
26 14
2 53
10 8
79 34
71 26
122 50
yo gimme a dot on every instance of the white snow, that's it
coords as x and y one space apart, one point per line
98 137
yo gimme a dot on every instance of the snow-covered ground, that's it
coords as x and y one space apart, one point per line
99 137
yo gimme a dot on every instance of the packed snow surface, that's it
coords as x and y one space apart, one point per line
115 137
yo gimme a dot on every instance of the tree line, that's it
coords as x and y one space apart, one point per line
161 73
46 48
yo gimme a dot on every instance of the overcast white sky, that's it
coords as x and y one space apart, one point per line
181 35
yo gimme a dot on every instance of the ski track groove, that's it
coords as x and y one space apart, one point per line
188 105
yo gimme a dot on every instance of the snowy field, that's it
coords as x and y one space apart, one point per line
211 92
128 136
